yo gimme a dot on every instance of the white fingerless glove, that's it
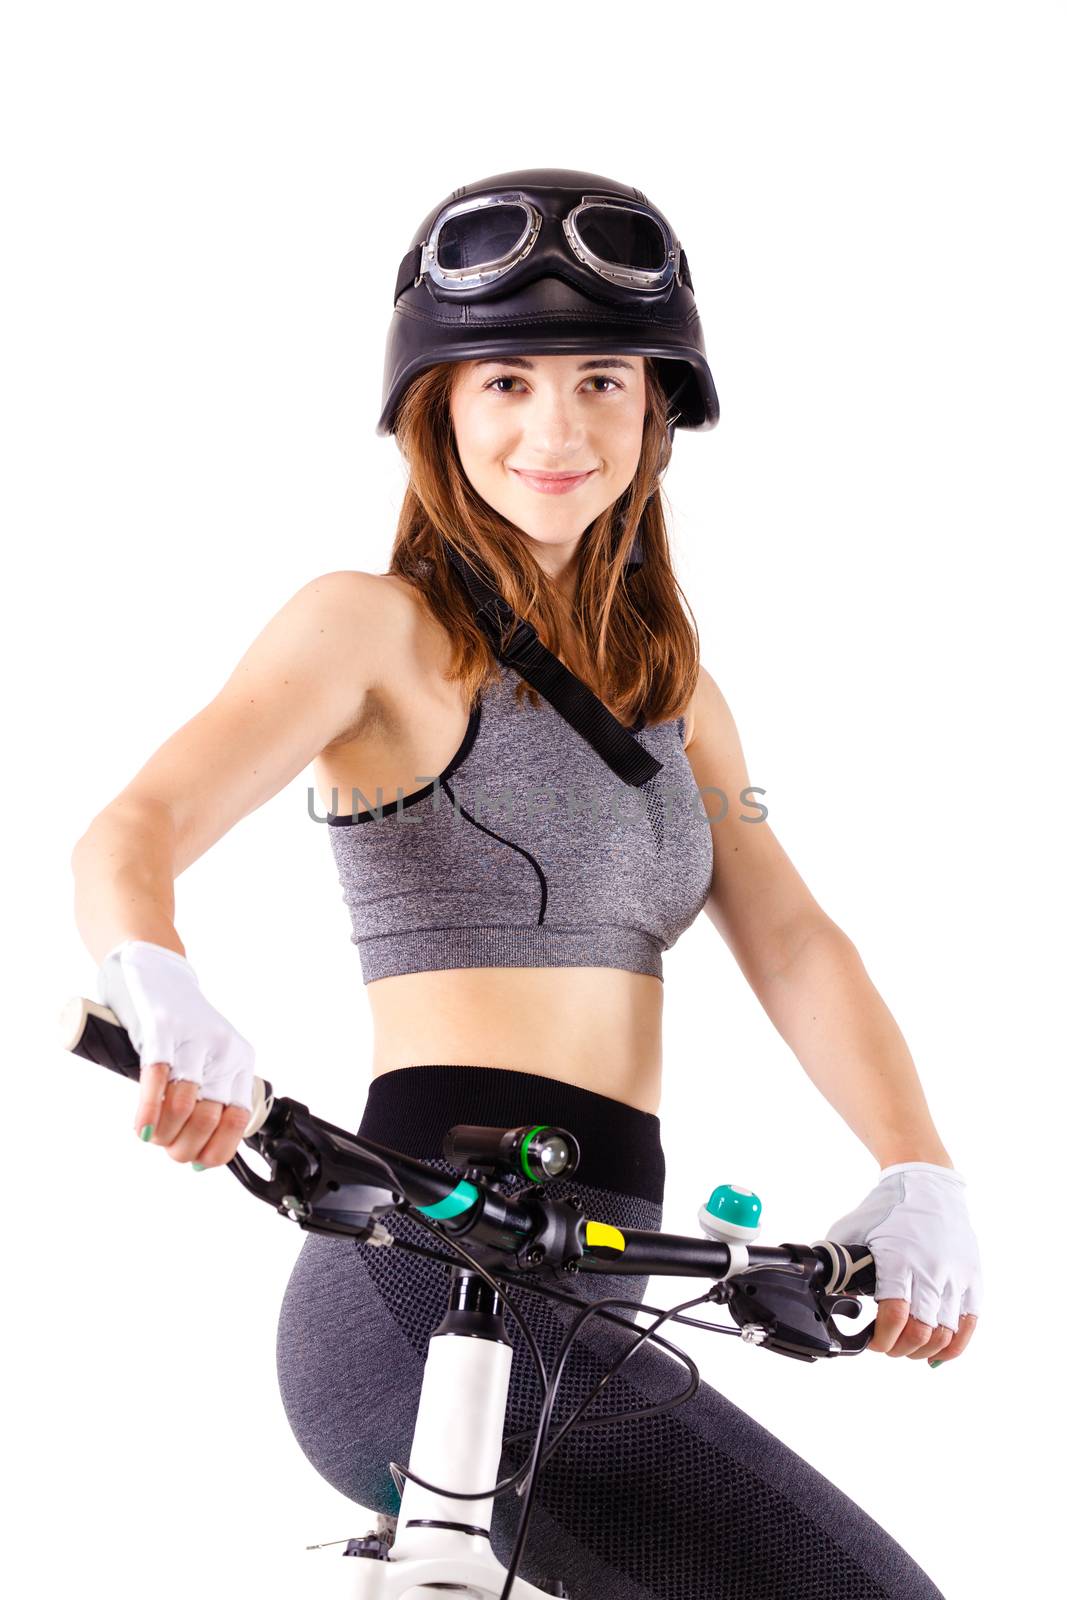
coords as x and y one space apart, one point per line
155 995
916 1225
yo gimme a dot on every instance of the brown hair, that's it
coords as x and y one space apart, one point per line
636 647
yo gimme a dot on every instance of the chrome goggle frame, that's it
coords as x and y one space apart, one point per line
638 279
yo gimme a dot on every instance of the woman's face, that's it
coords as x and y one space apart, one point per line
520 416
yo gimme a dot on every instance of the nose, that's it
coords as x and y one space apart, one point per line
554 433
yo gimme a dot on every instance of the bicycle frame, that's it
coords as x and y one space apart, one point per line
458 1439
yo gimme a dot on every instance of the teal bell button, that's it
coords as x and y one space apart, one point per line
732 1213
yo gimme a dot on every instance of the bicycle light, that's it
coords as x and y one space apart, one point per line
537 1154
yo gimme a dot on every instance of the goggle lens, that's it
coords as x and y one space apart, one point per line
622 237
478 238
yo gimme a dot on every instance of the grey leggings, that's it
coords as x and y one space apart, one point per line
700 1503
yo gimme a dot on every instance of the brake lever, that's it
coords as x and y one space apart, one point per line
299 1188
784 1309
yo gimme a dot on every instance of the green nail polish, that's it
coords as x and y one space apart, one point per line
935 1363
147 1130
197 1167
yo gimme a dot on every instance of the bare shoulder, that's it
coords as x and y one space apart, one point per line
421 648
363 594
390 643
407 604
712 743
365 614
706 705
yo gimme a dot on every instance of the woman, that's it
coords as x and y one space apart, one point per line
512 904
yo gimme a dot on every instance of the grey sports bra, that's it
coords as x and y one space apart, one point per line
527 851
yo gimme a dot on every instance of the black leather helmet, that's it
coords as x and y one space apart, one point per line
549 262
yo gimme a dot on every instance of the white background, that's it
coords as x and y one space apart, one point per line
204 207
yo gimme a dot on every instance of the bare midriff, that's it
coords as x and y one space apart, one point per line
596 1027
599 1028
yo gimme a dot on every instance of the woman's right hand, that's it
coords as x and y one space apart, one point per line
197 1071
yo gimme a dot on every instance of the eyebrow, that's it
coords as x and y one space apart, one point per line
520 361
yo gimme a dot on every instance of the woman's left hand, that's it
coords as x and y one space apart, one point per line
927 1268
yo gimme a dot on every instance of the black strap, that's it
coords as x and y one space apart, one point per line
407 272
573 699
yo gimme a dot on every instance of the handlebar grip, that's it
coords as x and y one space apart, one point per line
851 1268
93 1031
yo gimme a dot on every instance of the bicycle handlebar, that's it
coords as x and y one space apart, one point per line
329 1180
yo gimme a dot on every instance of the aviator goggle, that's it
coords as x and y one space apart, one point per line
476 243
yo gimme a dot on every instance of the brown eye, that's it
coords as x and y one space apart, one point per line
508 377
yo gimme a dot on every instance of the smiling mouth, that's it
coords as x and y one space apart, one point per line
552 482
